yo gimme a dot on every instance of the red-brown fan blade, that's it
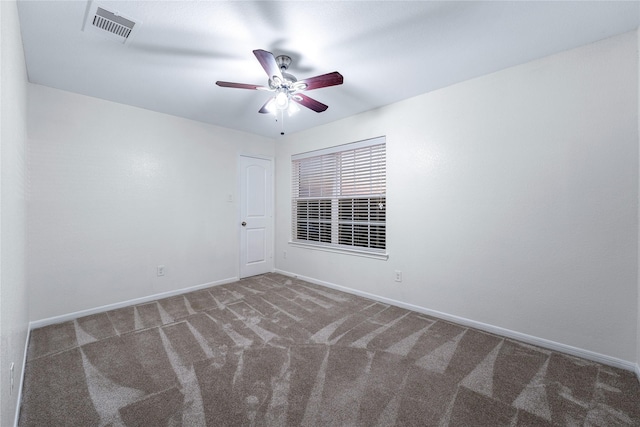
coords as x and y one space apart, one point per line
268 62
310 103
329 79
238 85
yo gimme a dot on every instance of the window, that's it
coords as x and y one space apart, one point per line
339 197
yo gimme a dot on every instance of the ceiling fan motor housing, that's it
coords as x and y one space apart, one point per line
283 62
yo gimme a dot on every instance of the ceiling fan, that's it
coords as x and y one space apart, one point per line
285 86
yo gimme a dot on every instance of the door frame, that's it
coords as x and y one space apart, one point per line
239 219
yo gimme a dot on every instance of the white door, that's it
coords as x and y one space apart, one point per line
256 216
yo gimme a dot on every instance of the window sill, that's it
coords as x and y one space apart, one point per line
355 252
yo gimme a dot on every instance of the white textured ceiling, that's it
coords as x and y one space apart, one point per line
386 50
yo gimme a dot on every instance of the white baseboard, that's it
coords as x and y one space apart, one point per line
24 365
529 339
71 316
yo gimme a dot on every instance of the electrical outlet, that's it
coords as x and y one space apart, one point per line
284 255
161 270
398 275
11 380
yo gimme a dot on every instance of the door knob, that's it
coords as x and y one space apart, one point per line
244 224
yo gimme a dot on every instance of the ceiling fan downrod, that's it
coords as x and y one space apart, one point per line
283 62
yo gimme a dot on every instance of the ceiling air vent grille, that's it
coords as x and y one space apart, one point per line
113 23
109 24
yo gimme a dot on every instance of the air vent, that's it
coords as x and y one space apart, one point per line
109 24
113 23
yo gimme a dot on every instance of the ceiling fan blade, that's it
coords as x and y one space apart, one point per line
329 79
310 103
268 62
265 108
238 85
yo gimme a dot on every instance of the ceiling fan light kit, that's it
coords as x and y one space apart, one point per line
286 86
282 99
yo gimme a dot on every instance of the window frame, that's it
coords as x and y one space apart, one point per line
335 189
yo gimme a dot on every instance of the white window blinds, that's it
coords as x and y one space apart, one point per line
339 196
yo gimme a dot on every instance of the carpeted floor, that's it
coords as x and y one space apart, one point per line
275 351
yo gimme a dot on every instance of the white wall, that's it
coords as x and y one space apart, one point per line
116 191
638 329
13 138
512 200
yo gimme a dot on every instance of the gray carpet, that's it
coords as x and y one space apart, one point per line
275 351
